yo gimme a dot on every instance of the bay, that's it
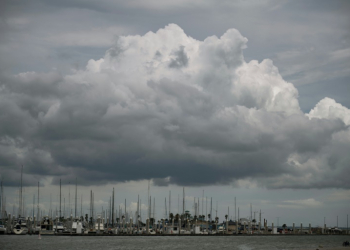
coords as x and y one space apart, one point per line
29 242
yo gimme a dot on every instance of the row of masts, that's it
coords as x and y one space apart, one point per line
111 214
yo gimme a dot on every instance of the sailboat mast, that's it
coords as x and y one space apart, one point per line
202 201
69 208
113 208
236 210
60 199
138 207
165 208
81 206
154 207
76 197
149 205
1 202
38 211
183 201
20 196
33 205
50 211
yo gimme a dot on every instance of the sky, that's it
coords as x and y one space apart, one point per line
245 99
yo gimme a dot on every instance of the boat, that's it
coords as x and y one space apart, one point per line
46 226
58 227
98 227
20 227
2 229
77 227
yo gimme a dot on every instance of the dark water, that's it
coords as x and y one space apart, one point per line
27 242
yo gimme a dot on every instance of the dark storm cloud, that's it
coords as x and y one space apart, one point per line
129 116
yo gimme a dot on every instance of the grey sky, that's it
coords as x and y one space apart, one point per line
110 92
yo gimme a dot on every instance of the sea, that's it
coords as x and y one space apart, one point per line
28 242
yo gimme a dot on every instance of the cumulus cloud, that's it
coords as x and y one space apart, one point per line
168 107
327 108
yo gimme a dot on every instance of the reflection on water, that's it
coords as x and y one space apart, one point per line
27 242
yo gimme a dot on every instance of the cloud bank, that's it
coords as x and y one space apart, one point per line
167 107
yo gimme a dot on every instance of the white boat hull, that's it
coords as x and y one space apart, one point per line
20 231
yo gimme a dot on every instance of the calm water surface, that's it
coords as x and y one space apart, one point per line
27 242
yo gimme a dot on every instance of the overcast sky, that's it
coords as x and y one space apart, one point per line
246 99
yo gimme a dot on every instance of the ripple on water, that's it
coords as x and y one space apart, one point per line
27 242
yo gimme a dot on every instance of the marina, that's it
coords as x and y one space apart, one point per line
120 222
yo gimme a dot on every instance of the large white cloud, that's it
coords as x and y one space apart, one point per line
169 107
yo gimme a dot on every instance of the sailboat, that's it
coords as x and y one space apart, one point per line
46 226
20 227
21 223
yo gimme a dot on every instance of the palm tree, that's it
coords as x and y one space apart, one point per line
216 224
208 221
177 216
254 221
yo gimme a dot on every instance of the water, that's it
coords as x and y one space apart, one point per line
27 242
